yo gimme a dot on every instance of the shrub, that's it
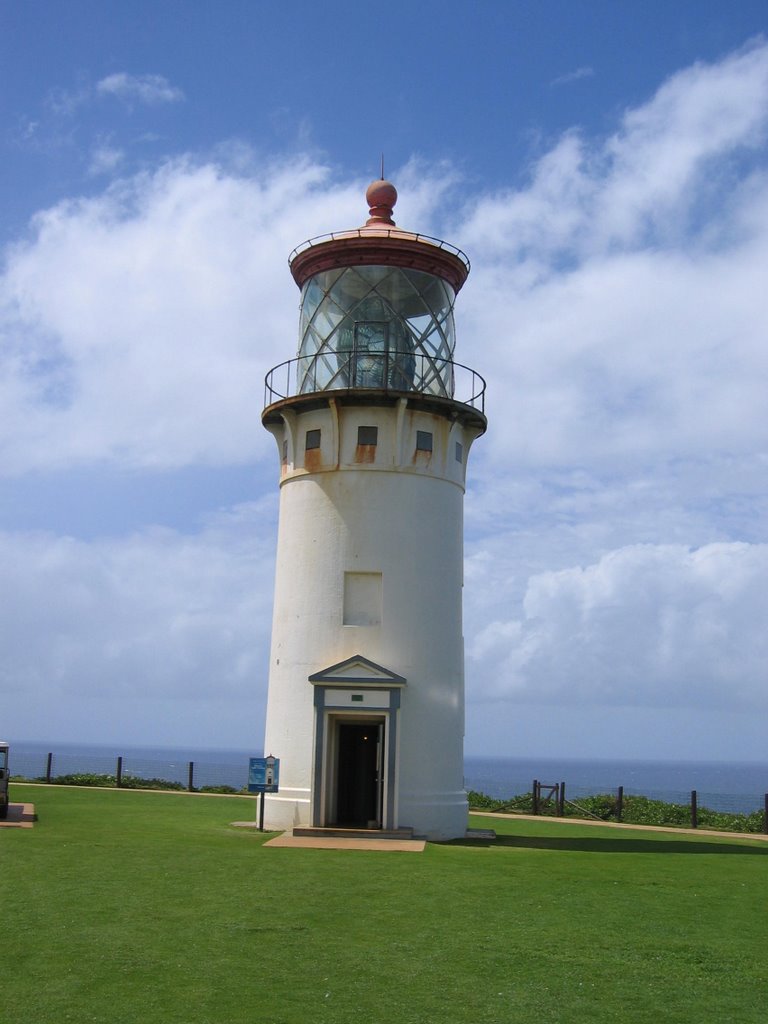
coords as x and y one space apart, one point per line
134 782
110 781
483 802
84 779
637 810
601 805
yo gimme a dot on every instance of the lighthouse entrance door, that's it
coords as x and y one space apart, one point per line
359 774
354 774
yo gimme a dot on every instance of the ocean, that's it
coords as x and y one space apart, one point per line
723 786
720 785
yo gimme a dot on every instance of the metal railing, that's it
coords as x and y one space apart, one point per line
400 372
378 233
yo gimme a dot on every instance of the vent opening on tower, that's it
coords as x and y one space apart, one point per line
423 440
367 435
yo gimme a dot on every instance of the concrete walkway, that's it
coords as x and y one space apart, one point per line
287 839
381 844
543 818
340 843
19 816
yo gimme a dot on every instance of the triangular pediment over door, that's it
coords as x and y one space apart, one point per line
357 671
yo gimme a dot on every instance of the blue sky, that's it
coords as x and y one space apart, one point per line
605 167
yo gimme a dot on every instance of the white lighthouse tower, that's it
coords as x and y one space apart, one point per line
374 421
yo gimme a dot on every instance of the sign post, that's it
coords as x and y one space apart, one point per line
263 777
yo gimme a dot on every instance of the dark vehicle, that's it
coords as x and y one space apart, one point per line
3 780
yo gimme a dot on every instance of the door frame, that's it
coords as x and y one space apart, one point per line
334 703
335 723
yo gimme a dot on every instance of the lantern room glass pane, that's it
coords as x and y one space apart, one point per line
376 327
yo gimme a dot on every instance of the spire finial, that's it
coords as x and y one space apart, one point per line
381 196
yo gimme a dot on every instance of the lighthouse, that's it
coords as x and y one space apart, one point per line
374 421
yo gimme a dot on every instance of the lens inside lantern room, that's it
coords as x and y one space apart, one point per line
376 327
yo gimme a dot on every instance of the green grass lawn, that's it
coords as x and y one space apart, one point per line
127 907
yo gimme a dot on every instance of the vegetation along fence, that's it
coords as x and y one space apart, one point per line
684 810
130 772
692 808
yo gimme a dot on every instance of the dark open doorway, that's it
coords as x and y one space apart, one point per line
358 774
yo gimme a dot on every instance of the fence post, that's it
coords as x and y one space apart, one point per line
561 801
619 803
119 776
49 768
694 810
535 795
190 783
765 815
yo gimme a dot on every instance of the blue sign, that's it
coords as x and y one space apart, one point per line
263 774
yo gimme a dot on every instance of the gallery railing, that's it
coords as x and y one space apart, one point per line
367 234
395 371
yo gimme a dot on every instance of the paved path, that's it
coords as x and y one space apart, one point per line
334 843
19 816
542 818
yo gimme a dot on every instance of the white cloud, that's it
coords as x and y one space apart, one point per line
646 625
65 102
137 326
149 89
573 76
667 150
142 312
616 305
617 309
157 616
639 187
105 158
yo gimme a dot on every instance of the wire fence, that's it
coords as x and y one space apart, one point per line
191 775
727 803
203 774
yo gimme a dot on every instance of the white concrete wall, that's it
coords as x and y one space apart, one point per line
399 515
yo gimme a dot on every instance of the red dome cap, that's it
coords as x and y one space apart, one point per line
379 243
381 196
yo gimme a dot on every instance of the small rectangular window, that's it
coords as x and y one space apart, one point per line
367 435
313 439
285 452
459 451
362 599
423 441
